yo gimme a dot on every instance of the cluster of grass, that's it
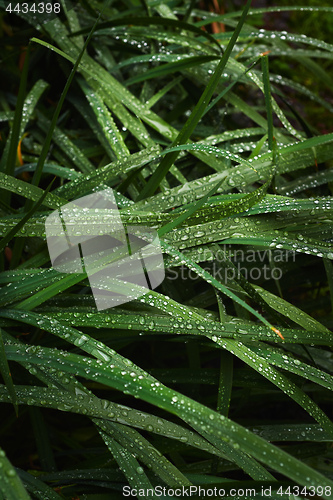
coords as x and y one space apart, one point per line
222 376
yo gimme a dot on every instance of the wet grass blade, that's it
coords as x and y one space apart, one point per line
29 191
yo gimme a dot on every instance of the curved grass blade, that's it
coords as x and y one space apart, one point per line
49 168
292 312
79 399
175 321
29 191
207 149
107 173
249 465
75 397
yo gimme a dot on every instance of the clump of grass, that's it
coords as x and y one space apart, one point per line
223 373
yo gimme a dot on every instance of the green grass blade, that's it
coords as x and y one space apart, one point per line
283 360
107 173
129 438
29 191
292 312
